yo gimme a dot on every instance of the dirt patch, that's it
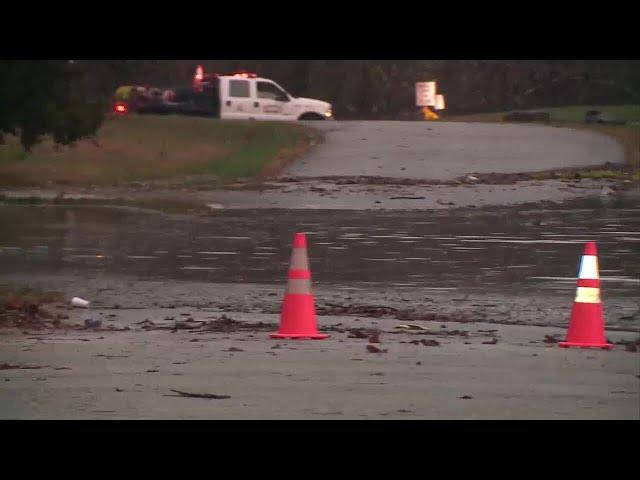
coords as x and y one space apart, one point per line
615 171
630 345
404 314
222 324
358 310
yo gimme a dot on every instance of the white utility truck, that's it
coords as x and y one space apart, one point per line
239 96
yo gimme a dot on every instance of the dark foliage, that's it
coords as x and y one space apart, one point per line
384 89
47 97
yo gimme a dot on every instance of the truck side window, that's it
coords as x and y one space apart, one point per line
239 88
270 91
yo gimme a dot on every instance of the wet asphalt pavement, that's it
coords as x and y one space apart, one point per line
444 151
493 285
507 249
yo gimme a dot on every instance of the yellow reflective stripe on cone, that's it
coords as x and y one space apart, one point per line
588 295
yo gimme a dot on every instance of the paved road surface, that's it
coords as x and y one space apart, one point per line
444 151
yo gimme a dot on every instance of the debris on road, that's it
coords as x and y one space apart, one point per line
188 325
357 333
364 310
92 322
607 191
198 395
375 338
374 349
630 345
426 343
27 313
411 327
80 302
8 366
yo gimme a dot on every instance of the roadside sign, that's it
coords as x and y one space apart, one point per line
425 94
439 102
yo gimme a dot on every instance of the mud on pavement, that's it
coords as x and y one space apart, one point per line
160 362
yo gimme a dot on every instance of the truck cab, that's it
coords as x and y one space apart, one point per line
236 96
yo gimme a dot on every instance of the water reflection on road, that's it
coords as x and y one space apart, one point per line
512 249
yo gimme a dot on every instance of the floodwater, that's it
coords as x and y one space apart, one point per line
515 249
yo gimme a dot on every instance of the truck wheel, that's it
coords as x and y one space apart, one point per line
311 116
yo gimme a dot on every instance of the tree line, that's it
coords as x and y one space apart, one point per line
68 98
384 89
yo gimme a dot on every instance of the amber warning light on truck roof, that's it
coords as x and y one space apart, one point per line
244 74
199 73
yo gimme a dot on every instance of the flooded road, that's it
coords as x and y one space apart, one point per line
513 249
465 308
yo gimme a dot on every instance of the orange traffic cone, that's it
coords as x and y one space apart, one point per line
298 316
586 327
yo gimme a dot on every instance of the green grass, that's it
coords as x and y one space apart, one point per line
141 148
630 113
600 174
571 114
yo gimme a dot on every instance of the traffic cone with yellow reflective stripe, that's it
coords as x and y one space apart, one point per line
586 327
298 316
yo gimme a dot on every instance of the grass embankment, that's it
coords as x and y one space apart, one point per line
573 117
143 148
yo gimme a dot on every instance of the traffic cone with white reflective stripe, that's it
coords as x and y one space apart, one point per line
298 316
586 327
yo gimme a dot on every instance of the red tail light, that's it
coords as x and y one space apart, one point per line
120 108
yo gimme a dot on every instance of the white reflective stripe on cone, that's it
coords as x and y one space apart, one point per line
589 267
299 259
587 295
298 286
